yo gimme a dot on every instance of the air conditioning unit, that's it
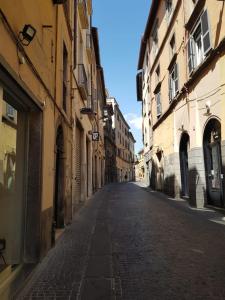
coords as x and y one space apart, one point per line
59 1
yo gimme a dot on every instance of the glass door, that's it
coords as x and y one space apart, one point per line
12 158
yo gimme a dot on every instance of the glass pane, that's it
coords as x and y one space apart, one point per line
215 172
11 182
8 148
206 42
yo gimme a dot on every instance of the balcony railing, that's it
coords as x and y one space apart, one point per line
82 10
82 81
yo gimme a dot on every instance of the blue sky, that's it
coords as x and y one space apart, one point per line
121 24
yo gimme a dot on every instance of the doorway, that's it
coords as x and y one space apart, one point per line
184 171
59 181
213 163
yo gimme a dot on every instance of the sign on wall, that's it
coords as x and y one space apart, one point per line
95 136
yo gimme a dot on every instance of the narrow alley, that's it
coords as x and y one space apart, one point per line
129 242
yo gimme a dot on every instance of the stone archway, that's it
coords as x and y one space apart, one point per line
213 162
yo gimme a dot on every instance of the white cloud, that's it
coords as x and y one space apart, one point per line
134 121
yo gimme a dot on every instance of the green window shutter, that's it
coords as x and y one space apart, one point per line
205 32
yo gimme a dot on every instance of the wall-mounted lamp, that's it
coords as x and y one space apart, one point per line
207 106
27 34
105 112
87 111
181 128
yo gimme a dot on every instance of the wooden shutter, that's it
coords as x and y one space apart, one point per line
191 55
205 32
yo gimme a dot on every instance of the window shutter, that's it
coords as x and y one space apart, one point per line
158 103
170 84
176 81
191 55
205 32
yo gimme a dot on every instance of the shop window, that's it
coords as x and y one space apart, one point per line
199 43
11 181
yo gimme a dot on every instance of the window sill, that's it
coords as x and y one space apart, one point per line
195 14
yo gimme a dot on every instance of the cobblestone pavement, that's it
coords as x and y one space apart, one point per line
132 243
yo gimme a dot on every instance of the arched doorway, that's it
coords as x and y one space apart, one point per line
184 172
213 165
59 181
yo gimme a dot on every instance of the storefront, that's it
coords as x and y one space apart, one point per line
20 172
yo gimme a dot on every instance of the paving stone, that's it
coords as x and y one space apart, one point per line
97 289
99 266
131 243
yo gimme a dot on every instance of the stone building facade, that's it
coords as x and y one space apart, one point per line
181 85
124 142
52 96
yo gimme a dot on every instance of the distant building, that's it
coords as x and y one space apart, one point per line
132 142
139 166
110 148
124 144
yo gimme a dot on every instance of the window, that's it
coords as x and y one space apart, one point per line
147 60
172 46
155 38
65 66
158 104
199 42
169 9
157 74
173 81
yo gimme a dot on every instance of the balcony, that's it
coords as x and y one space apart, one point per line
89 47
82 10
82 81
